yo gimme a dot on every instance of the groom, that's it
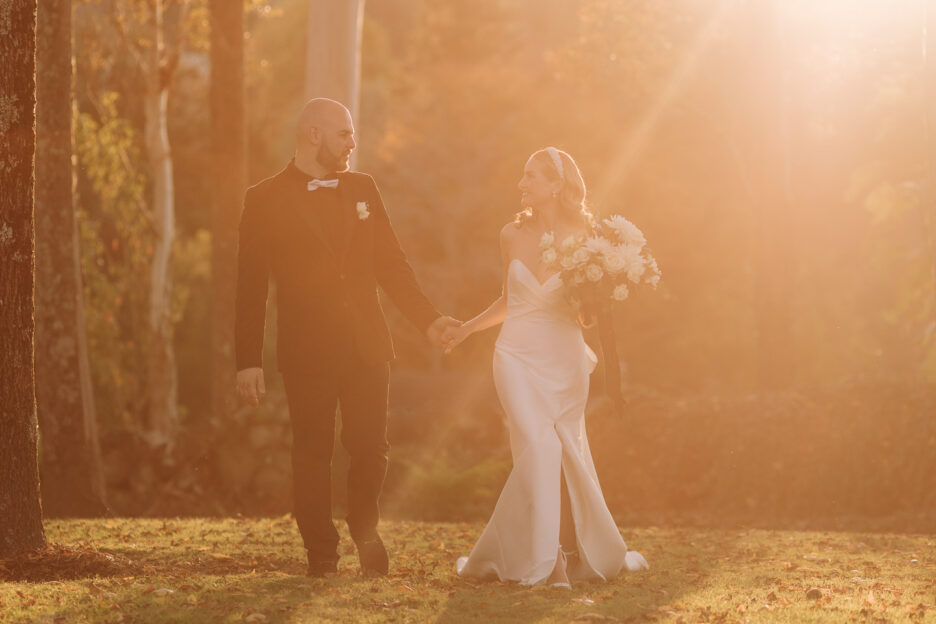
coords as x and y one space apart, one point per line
323 234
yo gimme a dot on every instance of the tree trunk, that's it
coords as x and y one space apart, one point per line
333 51
72 473
162 378
229 175
20 508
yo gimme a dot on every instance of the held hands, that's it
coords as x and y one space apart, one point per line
439 329
454 336
250 386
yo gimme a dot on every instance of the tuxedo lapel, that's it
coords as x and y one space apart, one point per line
348 218
312 222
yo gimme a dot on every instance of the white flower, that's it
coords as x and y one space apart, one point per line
615 261
567 263
549 256
593 272
654 272
626 231
635 272
636 264
547 241
362 211
569 244
620 292
580 256
599 245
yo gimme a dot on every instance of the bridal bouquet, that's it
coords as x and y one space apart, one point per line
604 265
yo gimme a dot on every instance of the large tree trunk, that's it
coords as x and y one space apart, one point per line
228 139
20 509
72 473
333 51
162 378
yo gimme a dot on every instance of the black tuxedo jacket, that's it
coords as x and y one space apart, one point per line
326 285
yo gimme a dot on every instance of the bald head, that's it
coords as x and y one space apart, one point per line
325 134
321 113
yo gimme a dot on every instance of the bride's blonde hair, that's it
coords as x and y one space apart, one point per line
558 165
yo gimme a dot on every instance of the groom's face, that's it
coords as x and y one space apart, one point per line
336 142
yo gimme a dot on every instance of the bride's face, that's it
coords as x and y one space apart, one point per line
535 188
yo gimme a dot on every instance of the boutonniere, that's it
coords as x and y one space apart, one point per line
362 211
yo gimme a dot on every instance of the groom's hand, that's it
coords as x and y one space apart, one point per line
436 331
250 386
454 336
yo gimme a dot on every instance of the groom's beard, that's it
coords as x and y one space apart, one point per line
330 161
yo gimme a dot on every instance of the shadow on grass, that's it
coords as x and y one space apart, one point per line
678 567
211 564
228 598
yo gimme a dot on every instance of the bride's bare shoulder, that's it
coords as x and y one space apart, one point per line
509 235
510 231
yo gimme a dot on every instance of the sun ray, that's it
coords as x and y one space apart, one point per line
632 147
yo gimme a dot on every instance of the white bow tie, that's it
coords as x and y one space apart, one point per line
314 184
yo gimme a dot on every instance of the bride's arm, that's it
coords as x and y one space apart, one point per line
495 313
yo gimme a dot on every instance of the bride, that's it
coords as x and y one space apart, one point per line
551 524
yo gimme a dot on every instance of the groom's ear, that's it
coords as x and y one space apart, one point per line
315 135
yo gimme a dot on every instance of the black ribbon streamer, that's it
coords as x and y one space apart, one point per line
612 364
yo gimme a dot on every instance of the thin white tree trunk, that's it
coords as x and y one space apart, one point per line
333 51
161 370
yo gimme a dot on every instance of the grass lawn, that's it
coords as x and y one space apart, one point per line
250 570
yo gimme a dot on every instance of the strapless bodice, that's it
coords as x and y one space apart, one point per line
526 295
540 326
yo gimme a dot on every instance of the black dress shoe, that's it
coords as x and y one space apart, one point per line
319 568
373 555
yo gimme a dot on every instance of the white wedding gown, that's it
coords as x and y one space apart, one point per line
541 371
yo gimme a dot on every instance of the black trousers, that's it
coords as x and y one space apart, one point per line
362 390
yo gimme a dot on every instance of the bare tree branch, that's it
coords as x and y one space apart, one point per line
137 53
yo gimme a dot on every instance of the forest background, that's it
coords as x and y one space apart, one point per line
778 156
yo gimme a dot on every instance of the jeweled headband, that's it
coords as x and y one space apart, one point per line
557 160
